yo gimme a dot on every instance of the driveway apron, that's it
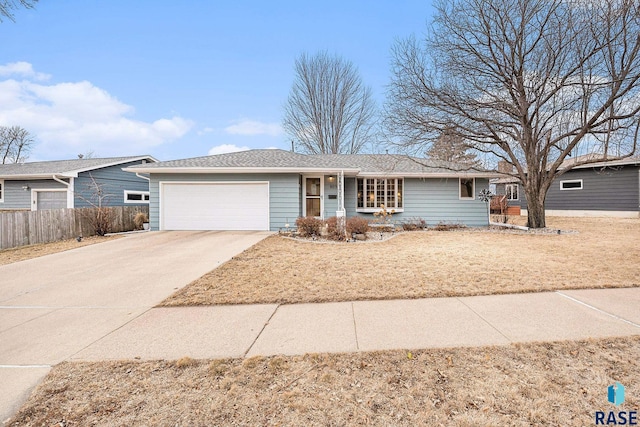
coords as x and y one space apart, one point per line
55 306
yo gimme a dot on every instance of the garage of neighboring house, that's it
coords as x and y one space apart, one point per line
214 205
49 199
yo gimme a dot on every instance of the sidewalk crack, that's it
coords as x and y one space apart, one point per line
261 331
355 326
485 320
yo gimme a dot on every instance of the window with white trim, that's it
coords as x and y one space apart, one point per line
511 191
467 188
1 190
136 196
573 184
374 193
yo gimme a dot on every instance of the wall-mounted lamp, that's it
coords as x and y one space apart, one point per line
25 187
332 178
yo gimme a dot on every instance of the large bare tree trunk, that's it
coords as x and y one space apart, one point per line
535 213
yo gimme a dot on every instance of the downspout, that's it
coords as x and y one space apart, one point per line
69 190
143 177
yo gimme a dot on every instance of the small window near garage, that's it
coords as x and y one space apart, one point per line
511 191
1 191
467 188
136 196
575 184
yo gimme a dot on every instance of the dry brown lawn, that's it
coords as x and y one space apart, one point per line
7 256
603 253
540 384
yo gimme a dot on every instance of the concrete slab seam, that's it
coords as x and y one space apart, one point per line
485 320
355 326
53 310
261 331
598 310
107 334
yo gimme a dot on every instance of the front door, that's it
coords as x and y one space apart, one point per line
313 197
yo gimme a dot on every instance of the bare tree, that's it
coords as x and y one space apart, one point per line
8 6
531 82
329 110
15 144
451 147
99 214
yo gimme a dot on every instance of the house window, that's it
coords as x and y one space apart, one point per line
511 191
136 196
574 184
467 188
1 191
373 193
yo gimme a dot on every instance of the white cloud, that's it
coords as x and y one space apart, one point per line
74 117
226 148
253 127
22 69
205 130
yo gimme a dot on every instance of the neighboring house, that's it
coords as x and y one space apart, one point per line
606 189
269 189
68 183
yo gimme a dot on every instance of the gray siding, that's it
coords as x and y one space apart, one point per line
602 190
15 198
284 194
114 182
434 200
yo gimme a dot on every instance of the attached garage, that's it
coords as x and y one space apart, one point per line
214 205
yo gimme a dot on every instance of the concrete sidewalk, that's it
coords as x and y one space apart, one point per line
269 329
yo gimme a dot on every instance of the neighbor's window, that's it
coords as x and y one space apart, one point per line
511 191
467 188
372 193
136 196
1 190
575 184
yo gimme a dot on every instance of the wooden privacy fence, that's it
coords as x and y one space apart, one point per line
31 227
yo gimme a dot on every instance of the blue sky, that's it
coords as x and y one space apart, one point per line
179 79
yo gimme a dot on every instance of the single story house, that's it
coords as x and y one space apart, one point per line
605 189
68 183
269 189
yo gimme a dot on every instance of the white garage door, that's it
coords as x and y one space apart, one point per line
214 206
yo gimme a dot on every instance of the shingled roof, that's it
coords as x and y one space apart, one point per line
64 168
253 161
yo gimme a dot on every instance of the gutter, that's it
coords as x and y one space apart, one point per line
143 177
55 178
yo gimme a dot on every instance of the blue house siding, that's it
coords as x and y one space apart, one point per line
432 199
16 198
330 190
114 182
284 194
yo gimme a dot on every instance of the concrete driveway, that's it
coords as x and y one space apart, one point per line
55 306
